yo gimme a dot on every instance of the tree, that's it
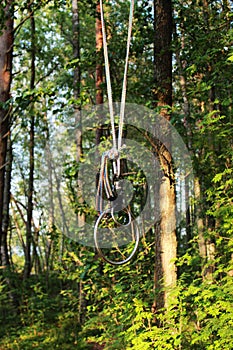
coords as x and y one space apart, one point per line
166 243
99 67
30 192
6 52
99 63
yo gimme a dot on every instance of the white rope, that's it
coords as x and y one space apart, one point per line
108 78
113 154
124 86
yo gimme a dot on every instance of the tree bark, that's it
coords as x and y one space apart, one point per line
163 53
99 69
6 205
166 242
99 63
49 240
6 54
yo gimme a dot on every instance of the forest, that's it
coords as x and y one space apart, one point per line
177 290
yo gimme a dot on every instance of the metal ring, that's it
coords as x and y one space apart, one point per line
99 250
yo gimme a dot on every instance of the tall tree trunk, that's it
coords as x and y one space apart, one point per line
99 63
29 238
166 242
6 205
99 68
163 53
6 53
49 241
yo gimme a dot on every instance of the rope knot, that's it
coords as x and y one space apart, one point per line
113 154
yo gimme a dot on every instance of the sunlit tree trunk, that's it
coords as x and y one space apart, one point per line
6 50
166 242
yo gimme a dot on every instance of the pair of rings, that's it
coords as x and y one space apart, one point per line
130 222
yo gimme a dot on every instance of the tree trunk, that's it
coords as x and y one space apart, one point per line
29 238
163 53
6 53
49 240
99 63
166 242
182 65
6 204
99 68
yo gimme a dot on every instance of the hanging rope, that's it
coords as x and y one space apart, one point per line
112 157
108 77
124 86
113 154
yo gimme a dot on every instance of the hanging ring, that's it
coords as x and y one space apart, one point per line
99 250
